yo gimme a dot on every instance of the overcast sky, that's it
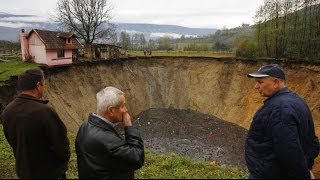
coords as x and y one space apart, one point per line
188 13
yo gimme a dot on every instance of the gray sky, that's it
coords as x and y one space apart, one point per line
188 13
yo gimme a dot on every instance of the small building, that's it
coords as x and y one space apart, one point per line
49 47
103 51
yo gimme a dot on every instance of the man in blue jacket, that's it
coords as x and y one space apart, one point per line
281 142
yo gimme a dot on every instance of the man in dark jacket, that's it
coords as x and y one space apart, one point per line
101 152
35 132
281 142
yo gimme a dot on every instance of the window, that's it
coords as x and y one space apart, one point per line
68 40
60 53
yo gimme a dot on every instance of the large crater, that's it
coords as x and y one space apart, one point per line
216 87
210 86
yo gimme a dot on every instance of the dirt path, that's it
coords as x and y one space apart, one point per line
192 134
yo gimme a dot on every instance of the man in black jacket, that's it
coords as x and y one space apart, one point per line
35 132
101 152
281 141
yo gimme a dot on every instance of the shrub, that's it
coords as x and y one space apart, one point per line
246 48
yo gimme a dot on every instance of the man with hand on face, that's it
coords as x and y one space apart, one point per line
281 141
101 152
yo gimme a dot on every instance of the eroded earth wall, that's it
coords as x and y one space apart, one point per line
216 87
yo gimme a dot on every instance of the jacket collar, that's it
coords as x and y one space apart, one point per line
25 96
95 120
104 119
279 93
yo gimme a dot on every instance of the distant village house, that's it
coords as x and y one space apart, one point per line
103 51
49 47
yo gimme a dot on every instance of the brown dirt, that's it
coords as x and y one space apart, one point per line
193 134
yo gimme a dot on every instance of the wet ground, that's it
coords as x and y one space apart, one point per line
189 133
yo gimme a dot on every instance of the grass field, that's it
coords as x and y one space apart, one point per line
184 53
13 67
167 166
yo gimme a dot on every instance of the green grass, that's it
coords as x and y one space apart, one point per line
14 67
7 163
184 53
156 165
164 166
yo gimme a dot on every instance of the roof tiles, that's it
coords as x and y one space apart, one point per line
56 39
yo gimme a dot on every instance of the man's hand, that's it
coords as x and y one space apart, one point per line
311 175
126 119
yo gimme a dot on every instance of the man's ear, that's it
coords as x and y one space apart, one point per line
109 110
38 84
277 83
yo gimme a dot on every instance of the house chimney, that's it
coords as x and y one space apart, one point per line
24 45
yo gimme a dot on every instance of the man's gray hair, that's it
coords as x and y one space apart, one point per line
109 96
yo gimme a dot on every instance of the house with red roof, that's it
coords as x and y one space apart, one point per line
49 47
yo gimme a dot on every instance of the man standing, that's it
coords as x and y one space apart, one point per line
101 152
35 132
281 141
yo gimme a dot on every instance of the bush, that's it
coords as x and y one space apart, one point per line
246 48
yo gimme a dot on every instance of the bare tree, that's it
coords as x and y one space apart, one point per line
89 19
287 8
135 41
125 40
143 41
258 21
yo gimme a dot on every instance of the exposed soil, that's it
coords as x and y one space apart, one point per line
190 133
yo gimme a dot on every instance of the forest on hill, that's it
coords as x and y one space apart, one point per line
288 29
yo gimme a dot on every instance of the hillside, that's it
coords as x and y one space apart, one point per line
11 24
225 39
9 34
156 31
291 31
